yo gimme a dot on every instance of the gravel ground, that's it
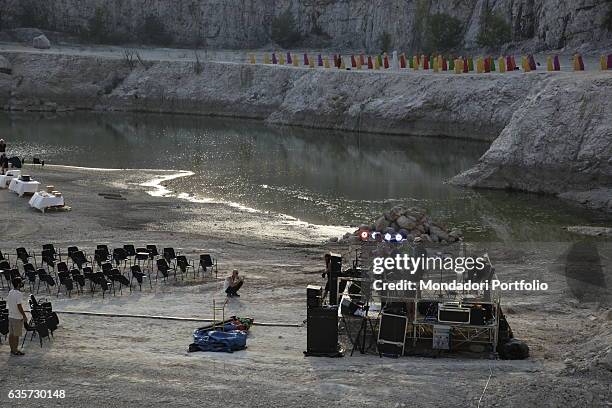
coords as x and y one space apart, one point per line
111 361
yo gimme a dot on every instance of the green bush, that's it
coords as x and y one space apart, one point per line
153 31
284 32
443 32
386 41
494 30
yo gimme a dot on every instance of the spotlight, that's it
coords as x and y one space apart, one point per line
387 237
398 237
364 235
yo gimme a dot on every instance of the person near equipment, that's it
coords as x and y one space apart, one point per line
3 158
17 316
232 284
325 274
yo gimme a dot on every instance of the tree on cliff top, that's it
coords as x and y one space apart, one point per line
443 32
284 32
494 30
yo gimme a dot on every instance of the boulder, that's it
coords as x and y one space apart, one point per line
5 66
438 232
381 224
396 212
406 222
41 42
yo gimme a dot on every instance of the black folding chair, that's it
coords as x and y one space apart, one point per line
48 258
207 261
116 277
24 256
44 277
79 259
130 252
169 255
152 249
36 326
104 249
164 269
142 255
66 281
78 279
99 279
30 273
184 264
5 273
100 256
120 255
50 248
139 275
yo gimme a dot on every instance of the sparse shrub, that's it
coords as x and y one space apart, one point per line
153 31
494 30
386 41
284 31
443 32
129 57
96 26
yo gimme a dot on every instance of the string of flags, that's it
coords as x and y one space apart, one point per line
435 63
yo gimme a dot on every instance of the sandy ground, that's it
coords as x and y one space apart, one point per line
103 361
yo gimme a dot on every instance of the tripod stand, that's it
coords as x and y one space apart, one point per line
360 338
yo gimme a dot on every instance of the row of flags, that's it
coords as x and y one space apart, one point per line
424 62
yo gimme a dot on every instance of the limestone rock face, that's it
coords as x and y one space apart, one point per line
558 142
357 24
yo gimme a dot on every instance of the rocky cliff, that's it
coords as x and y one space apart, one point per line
354 24
556 131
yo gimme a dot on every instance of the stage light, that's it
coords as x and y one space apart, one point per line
364 235
387 237
398 237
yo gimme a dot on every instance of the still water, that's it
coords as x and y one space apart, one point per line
322 177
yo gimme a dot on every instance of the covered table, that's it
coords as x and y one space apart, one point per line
41 201
21 187
5 179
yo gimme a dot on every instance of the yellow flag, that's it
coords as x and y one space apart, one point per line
501 62
549 63
252 59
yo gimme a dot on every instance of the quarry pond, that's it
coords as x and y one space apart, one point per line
317 176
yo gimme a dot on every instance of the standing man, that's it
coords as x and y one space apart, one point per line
3 158
232 284
17 316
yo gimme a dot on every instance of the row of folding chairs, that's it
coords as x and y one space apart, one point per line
97 272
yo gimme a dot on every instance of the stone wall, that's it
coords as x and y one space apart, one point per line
350 24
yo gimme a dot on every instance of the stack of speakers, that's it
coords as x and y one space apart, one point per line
322 326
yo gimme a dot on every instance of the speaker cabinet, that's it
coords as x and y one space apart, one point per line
314 296
392 334
322 331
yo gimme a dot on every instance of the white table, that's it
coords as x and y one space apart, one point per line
42 200
21 187
5 179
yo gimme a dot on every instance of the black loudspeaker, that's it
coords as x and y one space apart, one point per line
322 332
314 295
392 334
347 307
332 276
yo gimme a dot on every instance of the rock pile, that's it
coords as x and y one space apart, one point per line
414 222
411 223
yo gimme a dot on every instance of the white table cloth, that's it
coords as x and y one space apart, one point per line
21 187
42 201
5 179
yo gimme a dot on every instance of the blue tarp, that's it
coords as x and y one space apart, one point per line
212 340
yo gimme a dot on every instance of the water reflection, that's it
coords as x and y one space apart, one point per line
317 176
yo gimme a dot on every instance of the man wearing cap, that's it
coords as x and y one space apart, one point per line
17 316
232 284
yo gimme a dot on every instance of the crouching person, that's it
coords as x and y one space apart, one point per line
17 316
232 284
